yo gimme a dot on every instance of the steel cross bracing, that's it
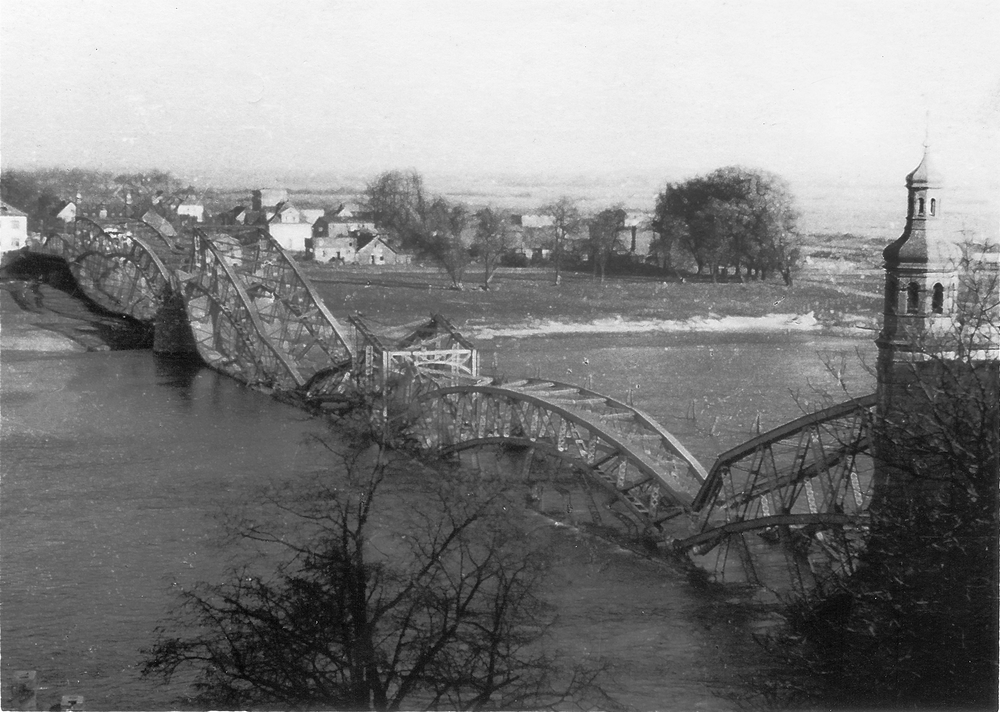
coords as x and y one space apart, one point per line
293 316
434 355
644 467
228 332
808 482
115 266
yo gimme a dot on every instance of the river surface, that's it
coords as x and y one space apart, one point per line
115 466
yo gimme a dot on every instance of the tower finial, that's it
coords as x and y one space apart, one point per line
927 128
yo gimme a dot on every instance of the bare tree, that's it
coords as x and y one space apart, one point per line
605 230
566 220
492 240
369 612
440 237
915 626
399 203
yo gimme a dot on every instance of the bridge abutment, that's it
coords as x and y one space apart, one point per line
172 329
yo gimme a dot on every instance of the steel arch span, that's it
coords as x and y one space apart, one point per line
115 267
291 313
807 483
228 332
650 476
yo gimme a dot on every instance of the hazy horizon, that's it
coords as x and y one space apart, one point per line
842 92
511 101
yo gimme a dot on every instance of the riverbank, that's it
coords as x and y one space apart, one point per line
42 311
34 330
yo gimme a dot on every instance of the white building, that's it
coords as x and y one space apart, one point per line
66 211
13 228
193 210
291 235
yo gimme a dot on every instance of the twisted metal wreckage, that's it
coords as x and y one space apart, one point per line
794 495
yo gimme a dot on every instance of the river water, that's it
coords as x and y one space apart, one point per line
115 466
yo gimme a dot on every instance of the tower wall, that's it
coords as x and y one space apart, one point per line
937 351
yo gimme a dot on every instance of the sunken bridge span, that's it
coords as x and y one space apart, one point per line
235 297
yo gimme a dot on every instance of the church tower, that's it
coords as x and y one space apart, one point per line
937 351
921 285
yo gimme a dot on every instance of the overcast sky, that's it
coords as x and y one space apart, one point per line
834 89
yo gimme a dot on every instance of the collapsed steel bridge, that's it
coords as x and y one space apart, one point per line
234 296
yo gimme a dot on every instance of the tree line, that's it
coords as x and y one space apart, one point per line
732 221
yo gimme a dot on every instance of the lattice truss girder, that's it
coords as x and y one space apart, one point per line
461 417
812 475
812 471
227 329
292 315
674 462
116 268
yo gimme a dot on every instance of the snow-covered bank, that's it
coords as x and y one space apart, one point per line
618 325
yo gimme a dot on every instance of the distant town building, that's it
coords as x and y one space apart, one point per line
103 211
13 228
287 214
340 248
193 211
532 220
375 251
359 248
65 210
293 236
342 223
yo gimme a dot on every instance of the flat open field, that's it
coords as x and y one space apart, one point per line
838 290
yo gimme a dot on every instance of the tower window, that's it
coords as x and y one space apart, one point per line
920 206
913 298
933 206
937 299
892 293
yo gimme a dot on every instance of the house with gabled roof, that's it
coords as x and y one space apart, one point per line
373 250
285 213
65 210
358 247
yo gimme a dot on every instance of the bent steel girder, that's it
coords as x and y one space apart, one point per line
807 477
227 330
652 488
155 230
288 307
116 268
636 426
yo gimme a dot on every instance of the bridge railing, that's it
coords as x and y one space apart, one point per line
433 355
